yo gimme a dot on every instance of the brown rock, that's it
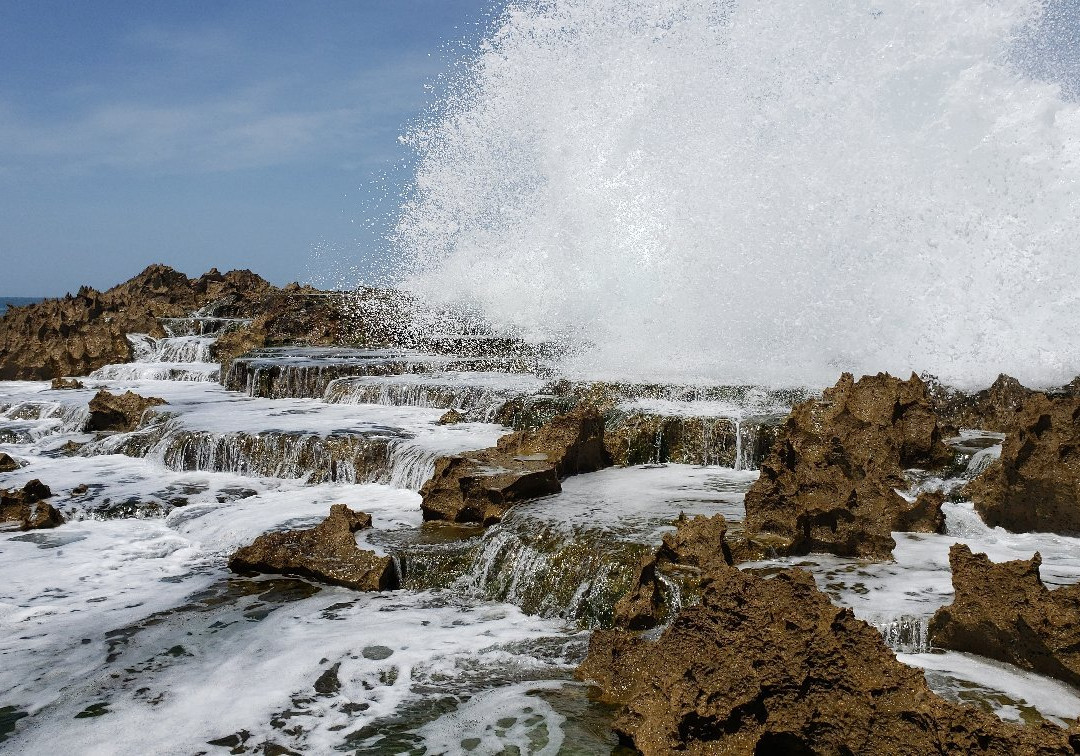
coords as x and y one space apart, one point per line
113 412
1003 611
829 481
451 417
1036 483
770 666
327 553
480 486
7 463
65 383
991 409
78 334
28 508
697 546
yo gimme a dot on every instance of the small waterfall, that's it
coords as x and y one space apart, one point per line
905 634
27 422
174 358
479 402
202 325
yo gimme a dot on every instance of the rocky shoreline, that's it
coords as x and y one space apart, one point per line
699 655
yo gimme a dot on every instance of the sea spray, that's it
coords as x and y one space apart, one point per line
759 192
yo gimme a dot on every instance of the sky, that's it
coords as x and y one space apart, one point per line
201 134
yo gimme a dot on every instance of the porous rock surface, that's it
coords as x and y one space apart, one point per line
327 553
1003 611
829 482
118 412
7 463
1035 485
480 486
991 409
27 507
770 666
78 334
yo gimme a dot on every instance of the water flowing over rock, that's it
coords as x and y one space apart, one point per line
79 334
1003 611
771 666
479 486
327 553
1035 485
112 412
28 507
829 483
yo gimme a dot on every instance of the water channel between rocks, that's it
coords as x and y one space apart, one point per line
124 622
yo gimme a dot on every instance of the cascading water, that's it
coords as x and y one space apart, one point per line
760 192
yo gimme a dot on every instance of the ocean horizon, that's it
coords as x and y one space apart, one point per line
5 302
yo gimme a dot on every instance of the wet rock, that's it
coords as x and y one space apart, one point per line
829 482
27 507
697 546
1003 611
771 666
1035 485
452 417
7 463
78 334
327 553
991 409
640 438
480 486
60 384
118 412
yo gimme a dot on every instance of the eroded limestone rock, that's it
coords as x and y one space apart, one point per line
7 462
771 666
64 384
27 507
829 482
118 412
480 486
1003 611
327 553
1035 485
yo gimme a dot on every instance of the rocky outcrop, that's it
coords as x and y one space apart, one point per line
829 482
1035 485
327 553
64 384
27 507
480 486
292 315
1003 611
78 334
118 412
7 463
770 666
992 409
698 546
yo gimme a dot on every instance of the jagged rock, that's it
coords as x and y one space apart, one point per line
118 412
991 409
451 417
327 553
1035 485
28 507
1003 611
770 666
480 486
59 384
829 483
698 544
7 463
78 334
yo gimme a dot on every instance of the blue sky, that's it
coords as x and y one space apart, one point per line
256 135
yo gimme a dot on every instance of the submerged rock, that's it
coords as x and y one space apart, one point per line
78 334
1003 611
452 417
63 384
480 486
118 412
829 482
28 507
327 553
771 666
1035 485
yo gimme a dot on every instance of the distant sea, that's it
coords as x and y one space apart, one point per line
5 301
